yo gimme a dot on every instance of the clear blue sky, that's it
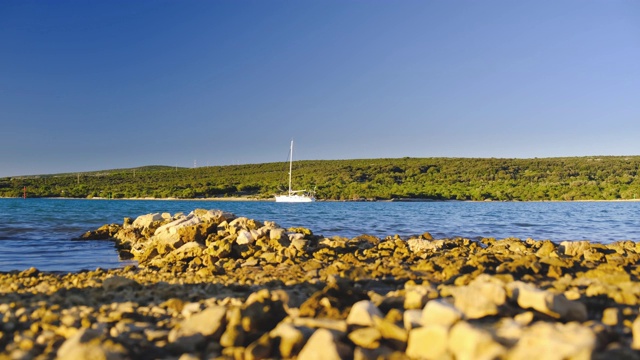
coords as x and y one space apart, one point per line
90 85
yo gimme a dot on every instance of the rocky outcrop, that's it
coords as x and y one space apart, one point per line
210 284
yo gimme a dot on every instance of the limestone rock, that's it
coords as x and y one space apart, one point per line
480 298
172 227
245 237
91 344
635 330
277 234
144 221
412 319
362 313
392 333
418 246
368 338
611 316
574 248
417 296
555 341
188 250
323 323
428 342
546 302
468 342
325 345
440 312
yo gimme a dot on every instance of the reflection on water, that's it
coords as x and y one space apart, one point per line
38 232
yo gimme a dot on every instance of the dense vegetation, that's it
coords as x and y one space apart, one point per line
577 178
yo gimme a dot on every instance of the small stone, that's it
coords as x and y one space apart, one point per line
574 248
428 342
368 338
362 313
392 333
610 316
555 341
417 296
210 321
119 282
546 302
154 335
524 318
480 298
245 237
187 356
325 345
440 312
90 344
412 319
331 324
468 342
635 330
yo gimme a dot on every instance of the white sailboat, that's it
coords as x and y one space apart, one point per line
295 196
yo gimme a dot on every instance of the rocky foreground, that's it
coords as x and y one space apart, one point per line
212 285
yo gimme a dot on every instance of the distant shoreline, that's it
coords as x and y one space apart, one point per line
248 199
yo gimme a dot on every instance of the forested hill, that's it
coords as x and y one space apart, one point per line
575 178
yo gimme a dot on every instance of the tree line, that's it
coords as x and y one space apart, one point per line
573 178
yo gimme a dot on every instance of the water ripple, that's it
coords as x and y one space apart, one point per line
38 232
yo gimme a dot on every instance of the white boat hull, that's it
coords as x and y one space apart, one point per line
294 198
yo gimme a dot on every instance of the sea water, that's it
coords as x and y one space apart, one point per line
39 232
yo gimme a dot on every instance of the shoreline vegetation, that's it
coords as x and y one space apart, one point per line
210 284
252 199
404 179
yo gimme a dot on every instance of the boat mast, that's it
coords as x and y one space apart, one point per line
290 165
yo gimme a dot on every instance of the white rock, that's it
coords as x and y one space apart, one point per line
295 237
324 323
172 227
428 342
276 234
368 338
573 248
412 319
89 344
190 309
143 221
362 313
245 237
421 245
555 341
440 312
546 302
471 301
190 249
468 342
325 345
417 296
635 330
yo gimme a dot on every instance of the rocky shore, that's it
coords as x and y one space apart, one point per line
212 285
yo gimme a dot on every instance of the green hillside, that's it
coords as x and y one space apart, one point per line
575 178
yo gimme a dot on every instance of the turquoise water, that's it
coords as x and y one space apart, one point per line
39 232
